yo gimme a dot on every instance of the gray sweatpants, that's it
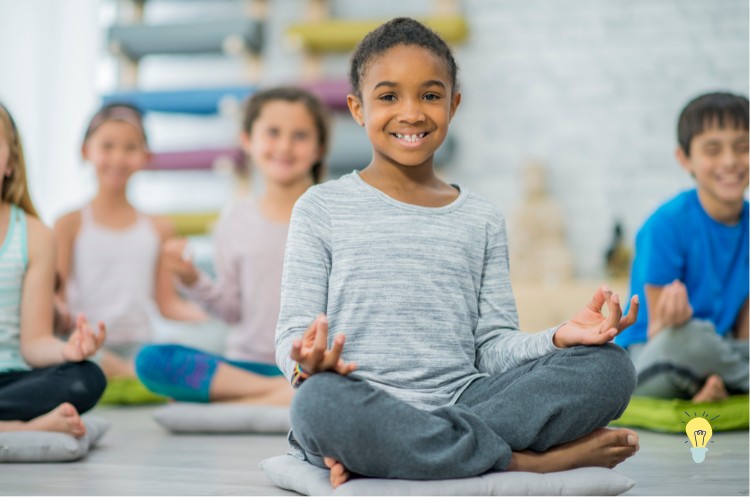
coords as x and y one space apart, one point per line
676 363
552 400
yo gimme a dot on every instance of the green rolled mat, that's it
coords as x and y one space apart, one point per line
128 391
671 415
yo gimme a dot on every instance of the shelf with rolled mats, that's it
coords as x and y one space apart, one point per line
209 101
342 35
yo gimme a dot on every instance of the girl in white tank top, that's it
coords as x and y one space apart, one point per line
108 252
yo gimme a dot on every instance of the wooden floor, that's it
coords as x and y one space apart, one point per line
137 457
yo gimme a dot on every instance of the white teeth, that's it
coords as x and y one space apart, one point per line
410 138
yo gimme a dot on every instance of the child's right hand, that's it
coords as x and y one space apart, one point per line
83 342
312 354
672 308
177 260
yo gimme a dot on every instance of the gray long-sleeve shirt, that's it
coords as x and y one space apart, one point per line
422 294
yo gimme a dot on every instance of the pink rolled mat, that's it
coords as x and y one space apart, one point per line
204 159
331 92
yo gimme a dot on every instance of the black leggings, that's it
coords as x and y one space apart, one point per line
25 395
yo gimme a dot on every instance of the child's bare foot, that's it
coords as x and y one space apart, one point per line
339 475
712 390
602 448
64 418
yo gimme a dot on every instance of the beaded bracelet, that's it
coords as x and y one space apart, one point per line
298 376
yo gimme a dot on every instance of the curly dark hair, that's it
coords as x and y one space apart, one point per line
720 109
398 31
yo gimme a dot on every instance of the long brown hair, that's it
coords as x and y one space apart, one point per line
316 109
15 190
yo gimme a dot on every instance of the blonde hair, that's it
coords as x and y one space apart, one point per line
15 189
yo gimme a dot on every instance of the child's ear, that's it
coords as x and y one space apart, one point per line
455 101
684 160
84 151
355 108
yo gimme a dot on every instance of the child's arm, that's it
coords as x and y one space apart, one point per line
170 304
668 306
66 228
499 345
741 325
300 337
38 345
222 297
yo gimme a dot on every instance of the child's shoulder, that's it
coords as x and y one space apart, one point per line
68 222
676 208
320 194
38 234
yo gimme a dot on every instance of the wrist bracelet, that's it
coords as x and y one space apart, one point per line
298 376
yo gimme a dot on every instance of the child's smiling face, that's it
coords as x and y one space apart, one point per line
406 105
719 162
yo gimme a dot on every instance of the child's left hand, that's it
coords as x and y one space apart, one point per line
590 327
83 342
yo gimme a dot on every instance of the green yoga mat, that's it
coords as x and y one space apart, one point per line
128 391
670 415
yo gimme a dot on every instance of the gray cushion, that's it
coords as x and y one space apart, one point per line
293 474
43 446
223 418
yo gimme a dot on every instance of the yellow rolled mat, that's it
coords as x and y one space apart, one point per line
193 224
338 35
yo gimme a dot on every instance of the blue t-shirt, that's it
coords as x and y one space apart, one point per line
681 241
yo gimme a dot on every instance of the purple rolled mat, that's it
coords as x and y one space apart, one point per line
203 159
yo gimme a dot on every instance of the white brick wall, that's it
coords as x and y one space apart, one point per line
594 88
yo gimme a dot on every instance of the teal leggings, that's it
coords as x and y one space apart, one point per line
184 373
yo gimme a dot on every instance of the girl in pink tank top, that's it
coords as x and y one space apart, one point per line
109 253
285 134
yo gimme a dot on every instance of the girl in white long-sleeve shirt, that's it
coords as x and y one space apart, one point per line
285 133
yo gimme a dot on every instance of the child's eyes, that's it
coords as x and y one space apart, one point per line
300 136
431 96
387 97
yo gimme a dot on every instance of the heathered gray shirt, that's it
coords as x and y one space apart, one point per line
422 294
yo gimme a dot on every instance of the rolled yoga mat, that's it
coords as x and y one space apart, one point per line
229 35
209 101
204 159
337 35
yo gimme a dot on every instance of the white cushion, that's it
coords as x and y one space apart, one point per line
290 473
223 418
44 446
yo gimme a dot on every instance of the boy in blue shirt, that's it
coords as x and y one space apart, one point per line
691 264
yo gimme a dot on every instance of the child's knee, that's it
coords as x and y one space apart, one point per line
86 385
612 370
150 359
313 403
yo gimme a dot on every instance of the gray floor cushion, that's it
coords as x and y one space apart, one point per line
293 474
223 418
42 446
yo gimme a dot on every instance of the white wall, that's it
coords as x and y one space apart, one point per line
48 53
592 87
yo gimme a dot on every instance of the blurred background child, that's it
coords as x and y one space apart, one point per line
45 383
691 264
109 253
285 133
